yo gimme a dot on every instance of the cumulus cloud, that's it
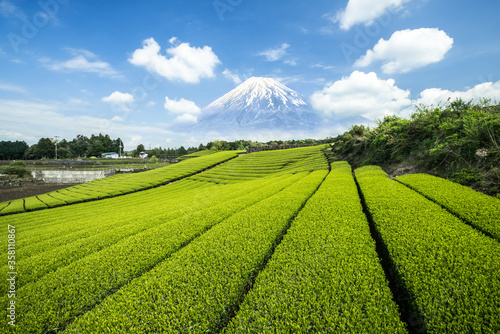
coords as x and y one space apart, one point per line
188 109
120 100
407 50
275 54
232 76
366 11
83 61
185 63
438 96
361 94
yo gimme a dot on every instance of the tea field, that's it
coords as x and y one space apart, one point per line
267 242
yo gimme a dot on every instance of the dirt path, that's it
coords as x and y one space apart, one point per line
29 190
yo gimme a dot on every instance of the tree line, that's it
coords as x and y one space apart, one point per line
95 145
79 147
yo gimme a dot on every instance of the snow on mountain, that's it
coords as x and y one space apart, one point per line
256 104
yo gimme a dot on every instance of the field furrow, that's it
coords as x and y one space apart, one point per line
194 290
325 276
479 210
58 297
447 271
53 255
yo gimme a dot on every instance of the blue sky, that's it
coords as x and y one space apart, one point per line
141 69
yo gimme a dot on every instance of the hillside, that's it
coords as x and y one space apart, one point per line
273 241
459 141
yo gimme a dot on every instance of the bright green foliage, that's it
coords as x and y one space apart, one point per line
16 205
197 154
58 296
267 163
40 257
435 137
325 276
3 205
50 201
194 290
33 203
127 183
449 270
477 209
459 140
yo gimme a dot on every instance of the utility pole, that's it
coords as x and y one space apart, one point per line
56 138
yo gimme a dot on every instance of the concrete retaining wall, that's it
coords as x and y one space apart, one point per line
66 176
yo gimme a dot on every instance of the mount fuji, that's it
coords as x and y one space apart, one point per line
259 104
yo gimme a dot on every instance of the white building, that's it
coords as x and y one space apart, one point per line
110 155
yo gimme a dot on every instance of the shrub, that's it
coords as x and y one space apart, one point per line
466 176
17 168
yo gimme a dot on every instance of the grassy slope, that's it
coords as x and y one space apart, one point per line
460 141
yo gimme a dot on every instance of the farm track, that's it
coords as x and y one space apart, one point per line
7 195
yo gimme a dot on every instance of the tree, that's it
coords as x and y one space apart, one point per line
12 150
140 148
31 153
79 146
45 149
182 151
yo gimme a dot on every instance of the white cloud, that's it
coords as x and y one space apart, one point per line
323 67
186 118
361 94
12 88
188 64
117 119
84 61
182 106
232 76
151 104
275 54
438 96
30 121
8 9
120 100
366 11
407 50
188 109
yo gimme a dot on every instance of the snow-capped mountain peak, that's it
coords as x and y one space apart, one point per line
256 104
266 93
